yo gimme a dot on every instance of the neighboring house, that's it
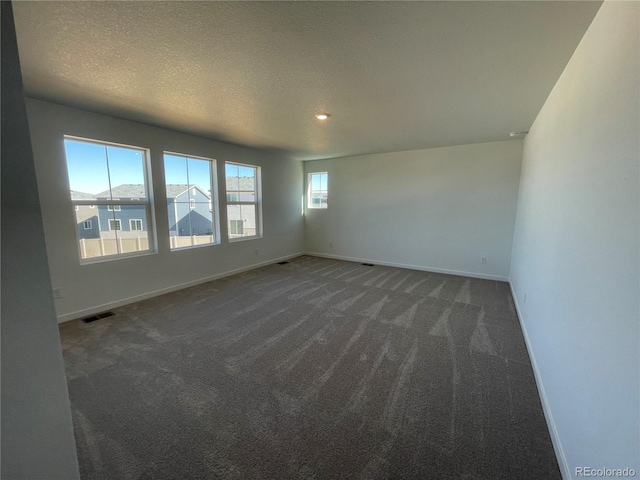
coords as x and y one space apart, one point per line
241 218
189 210
86 216
126 219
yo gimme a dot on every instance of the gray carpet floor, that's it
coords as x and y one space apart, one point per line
315 369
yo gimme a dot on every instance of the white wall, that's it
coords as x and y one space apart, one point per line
576 247
37 432
439 209
93 287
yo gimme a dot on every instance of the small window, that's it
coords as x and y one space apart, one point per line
236 227
115 224
88 225
317 191
244 201
135 225
192 203
113 208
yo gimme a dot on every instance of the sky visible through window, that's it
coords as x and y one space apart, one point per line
181 170
88 170
232 170
319 181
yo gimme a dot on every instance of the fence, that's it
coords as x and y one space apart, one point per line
99 247
184 241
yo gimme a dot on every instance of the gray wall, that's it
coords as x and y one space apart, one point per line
94 287
37 434
575 254
439 209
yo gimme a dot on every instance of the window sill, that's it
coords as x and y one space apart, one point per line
243 239
191 247
111 258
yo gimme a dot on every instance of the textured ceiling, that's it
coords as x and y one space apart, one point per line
393 75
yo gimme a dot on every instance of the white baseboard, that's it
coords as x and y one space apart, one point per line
144 296
565 471
411 267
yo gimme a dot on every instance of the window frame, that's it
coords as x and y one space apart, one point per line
213 201
118 222
85 222
237 223
257 203
131 220
310 191
148 203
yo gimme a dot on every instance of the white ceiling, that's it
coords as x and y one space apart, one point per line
393 75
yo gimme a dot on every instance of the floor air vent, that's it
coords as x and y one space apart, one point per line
368 264
283 263
98 316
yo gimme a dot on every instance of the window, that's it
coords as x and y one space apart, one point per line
236 227
191 200
115 224
243 201
111 179
317 192
135 225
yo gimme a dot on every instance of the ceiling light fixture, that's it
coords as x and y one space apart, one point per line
322 116
517 134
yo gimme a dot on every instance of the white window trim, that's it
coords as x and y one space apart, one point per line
213 201
114 208
257 203
310 191
117 222
145 202
131 224
237 222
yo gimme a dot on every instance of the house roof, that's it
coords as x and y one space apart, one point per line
243 184
175 189
126 190
136 190
75 195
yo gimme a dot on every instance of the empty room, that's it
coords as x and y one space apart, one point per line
320 240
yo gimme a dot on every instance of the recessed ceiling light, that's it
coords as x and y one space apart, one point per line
322 116
517 134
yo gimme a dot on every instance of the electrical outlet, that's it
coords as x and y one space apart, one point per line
57 293
330 244
483 260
